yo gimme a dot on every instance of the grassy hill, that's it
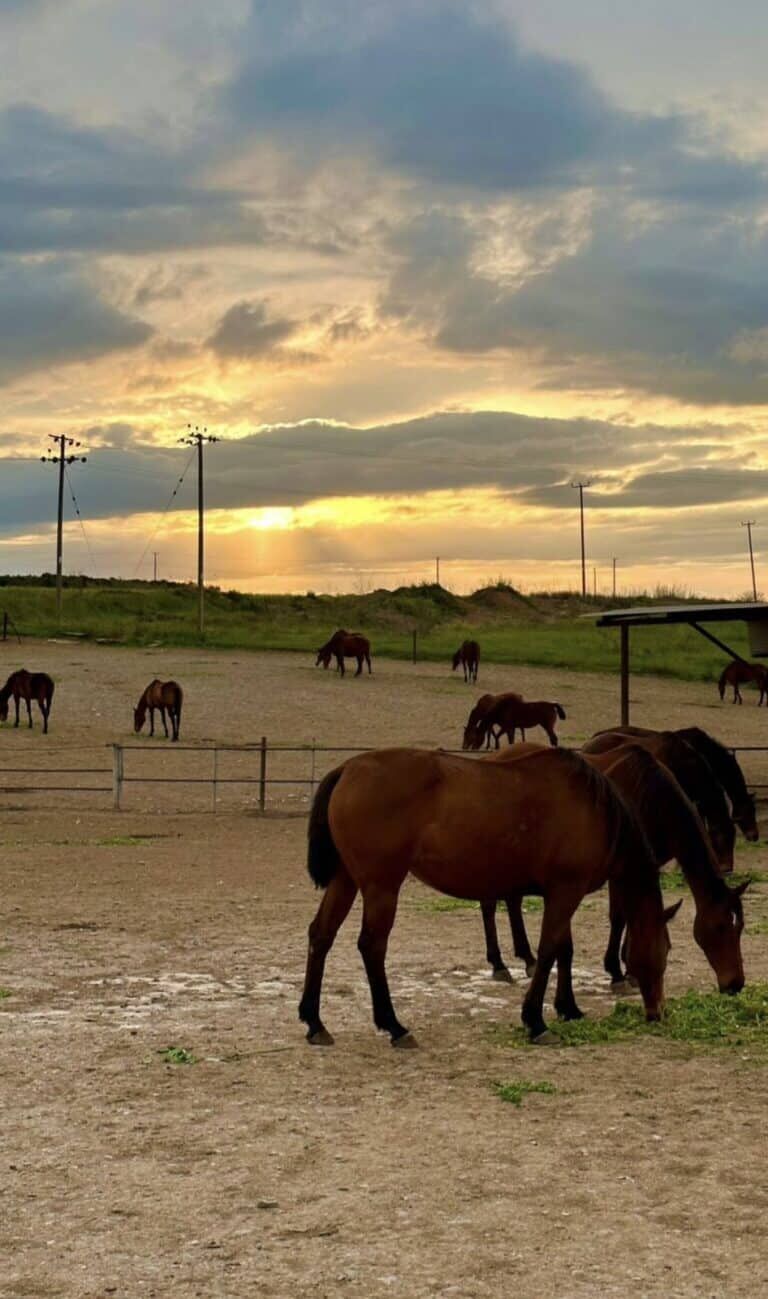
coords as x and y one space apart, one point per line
545 628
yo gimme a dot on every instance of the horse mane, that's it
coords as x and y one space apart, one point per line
722 762
629 840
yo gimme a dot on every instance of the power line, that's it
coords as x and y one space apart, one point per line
80 519
159 523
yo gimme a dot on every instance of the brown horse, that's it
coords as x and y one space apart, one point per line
738 673
468 655
29 686
345 644
507 714
694 775
725 769
168 696
545 823
674 830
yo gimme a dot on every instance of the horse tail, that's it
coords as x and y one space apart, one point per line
322 856
560 712
723 681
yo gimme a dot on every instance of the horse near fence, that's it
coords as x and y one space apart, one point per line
468 655
32 687
345 644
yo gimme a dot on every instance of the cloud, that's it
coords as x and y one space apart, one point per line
51 314
248 330
530 461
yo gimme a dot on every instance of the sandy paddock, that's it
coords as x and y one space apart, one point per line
268 1168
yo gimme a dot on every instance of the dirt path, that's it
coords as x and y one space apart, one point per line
270 1169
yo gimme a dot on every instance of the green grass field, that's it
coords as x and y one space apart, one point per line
546 629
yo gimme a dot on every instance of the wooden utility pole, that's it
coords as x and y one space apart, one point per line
580 484
437 570
614 577
62 458
197 437
749 524
154 565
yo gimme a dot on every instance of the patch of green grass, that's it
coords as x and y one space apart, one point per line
177 1055
698 1018
757 927
441 902
124 841
533 904
513 1092
4 992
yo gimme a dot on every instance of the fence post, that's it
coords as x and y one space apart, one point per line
263 774
312 771
215 775
5 626
117 775
414 647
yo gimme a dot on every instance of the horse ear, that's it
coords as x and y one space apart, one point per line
671 912
740 888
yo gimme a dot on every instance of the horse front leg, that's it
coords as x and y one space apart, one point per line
492 949
520 943
340 664
151 721
359 665
612 959
16 705
555 931
379 910
330 916
28 702
163 720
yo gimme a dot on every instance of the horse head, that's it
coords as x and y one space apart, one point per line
456 660
323 656
717 929
139 714
648 947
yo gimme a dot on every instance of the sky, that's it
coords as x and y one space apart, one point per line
417 265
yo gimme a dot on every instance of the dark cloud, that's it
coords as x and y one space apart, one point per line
52 314
248 330
531 460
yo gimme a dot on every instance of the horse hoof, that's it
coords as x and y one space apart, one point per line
407 1042
620 985
321 1038
530 969
502 976
547 1038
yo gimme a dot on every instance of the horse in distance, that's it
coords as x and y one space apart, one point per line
345 644
32 687
738 673
505 715
468 656
168 696
463 827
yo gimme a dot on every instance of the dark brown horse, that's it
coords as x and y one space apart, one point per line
345 644
694 775
674 830
738 673
724 767
468 655
507 714
168 696
32 687
545 823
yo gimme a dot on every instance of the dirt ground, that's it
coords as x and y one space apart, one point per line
268 1168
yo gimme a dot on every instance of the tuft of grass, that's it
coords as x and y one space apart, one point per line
123 841
513 1092
441 902
177 1055
699 1018
4 992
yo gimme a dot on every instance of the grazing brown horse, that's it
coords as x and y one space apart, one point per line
29 686
724 767
693 773
738 673
545 823
168 696
674 830
345 644
507 714
468 655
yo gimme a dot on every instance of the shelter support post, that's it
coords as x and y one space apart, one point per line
624 633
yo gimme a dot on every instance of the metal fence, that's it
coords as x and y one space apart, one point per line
252 770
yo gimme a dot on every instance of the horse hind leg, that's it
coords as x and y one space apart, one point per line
379 910
520 943
555 931
565 1001
492 949
330 916
359 665
28 702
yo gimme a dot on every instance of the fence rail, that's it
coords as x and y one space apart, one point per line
268 770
